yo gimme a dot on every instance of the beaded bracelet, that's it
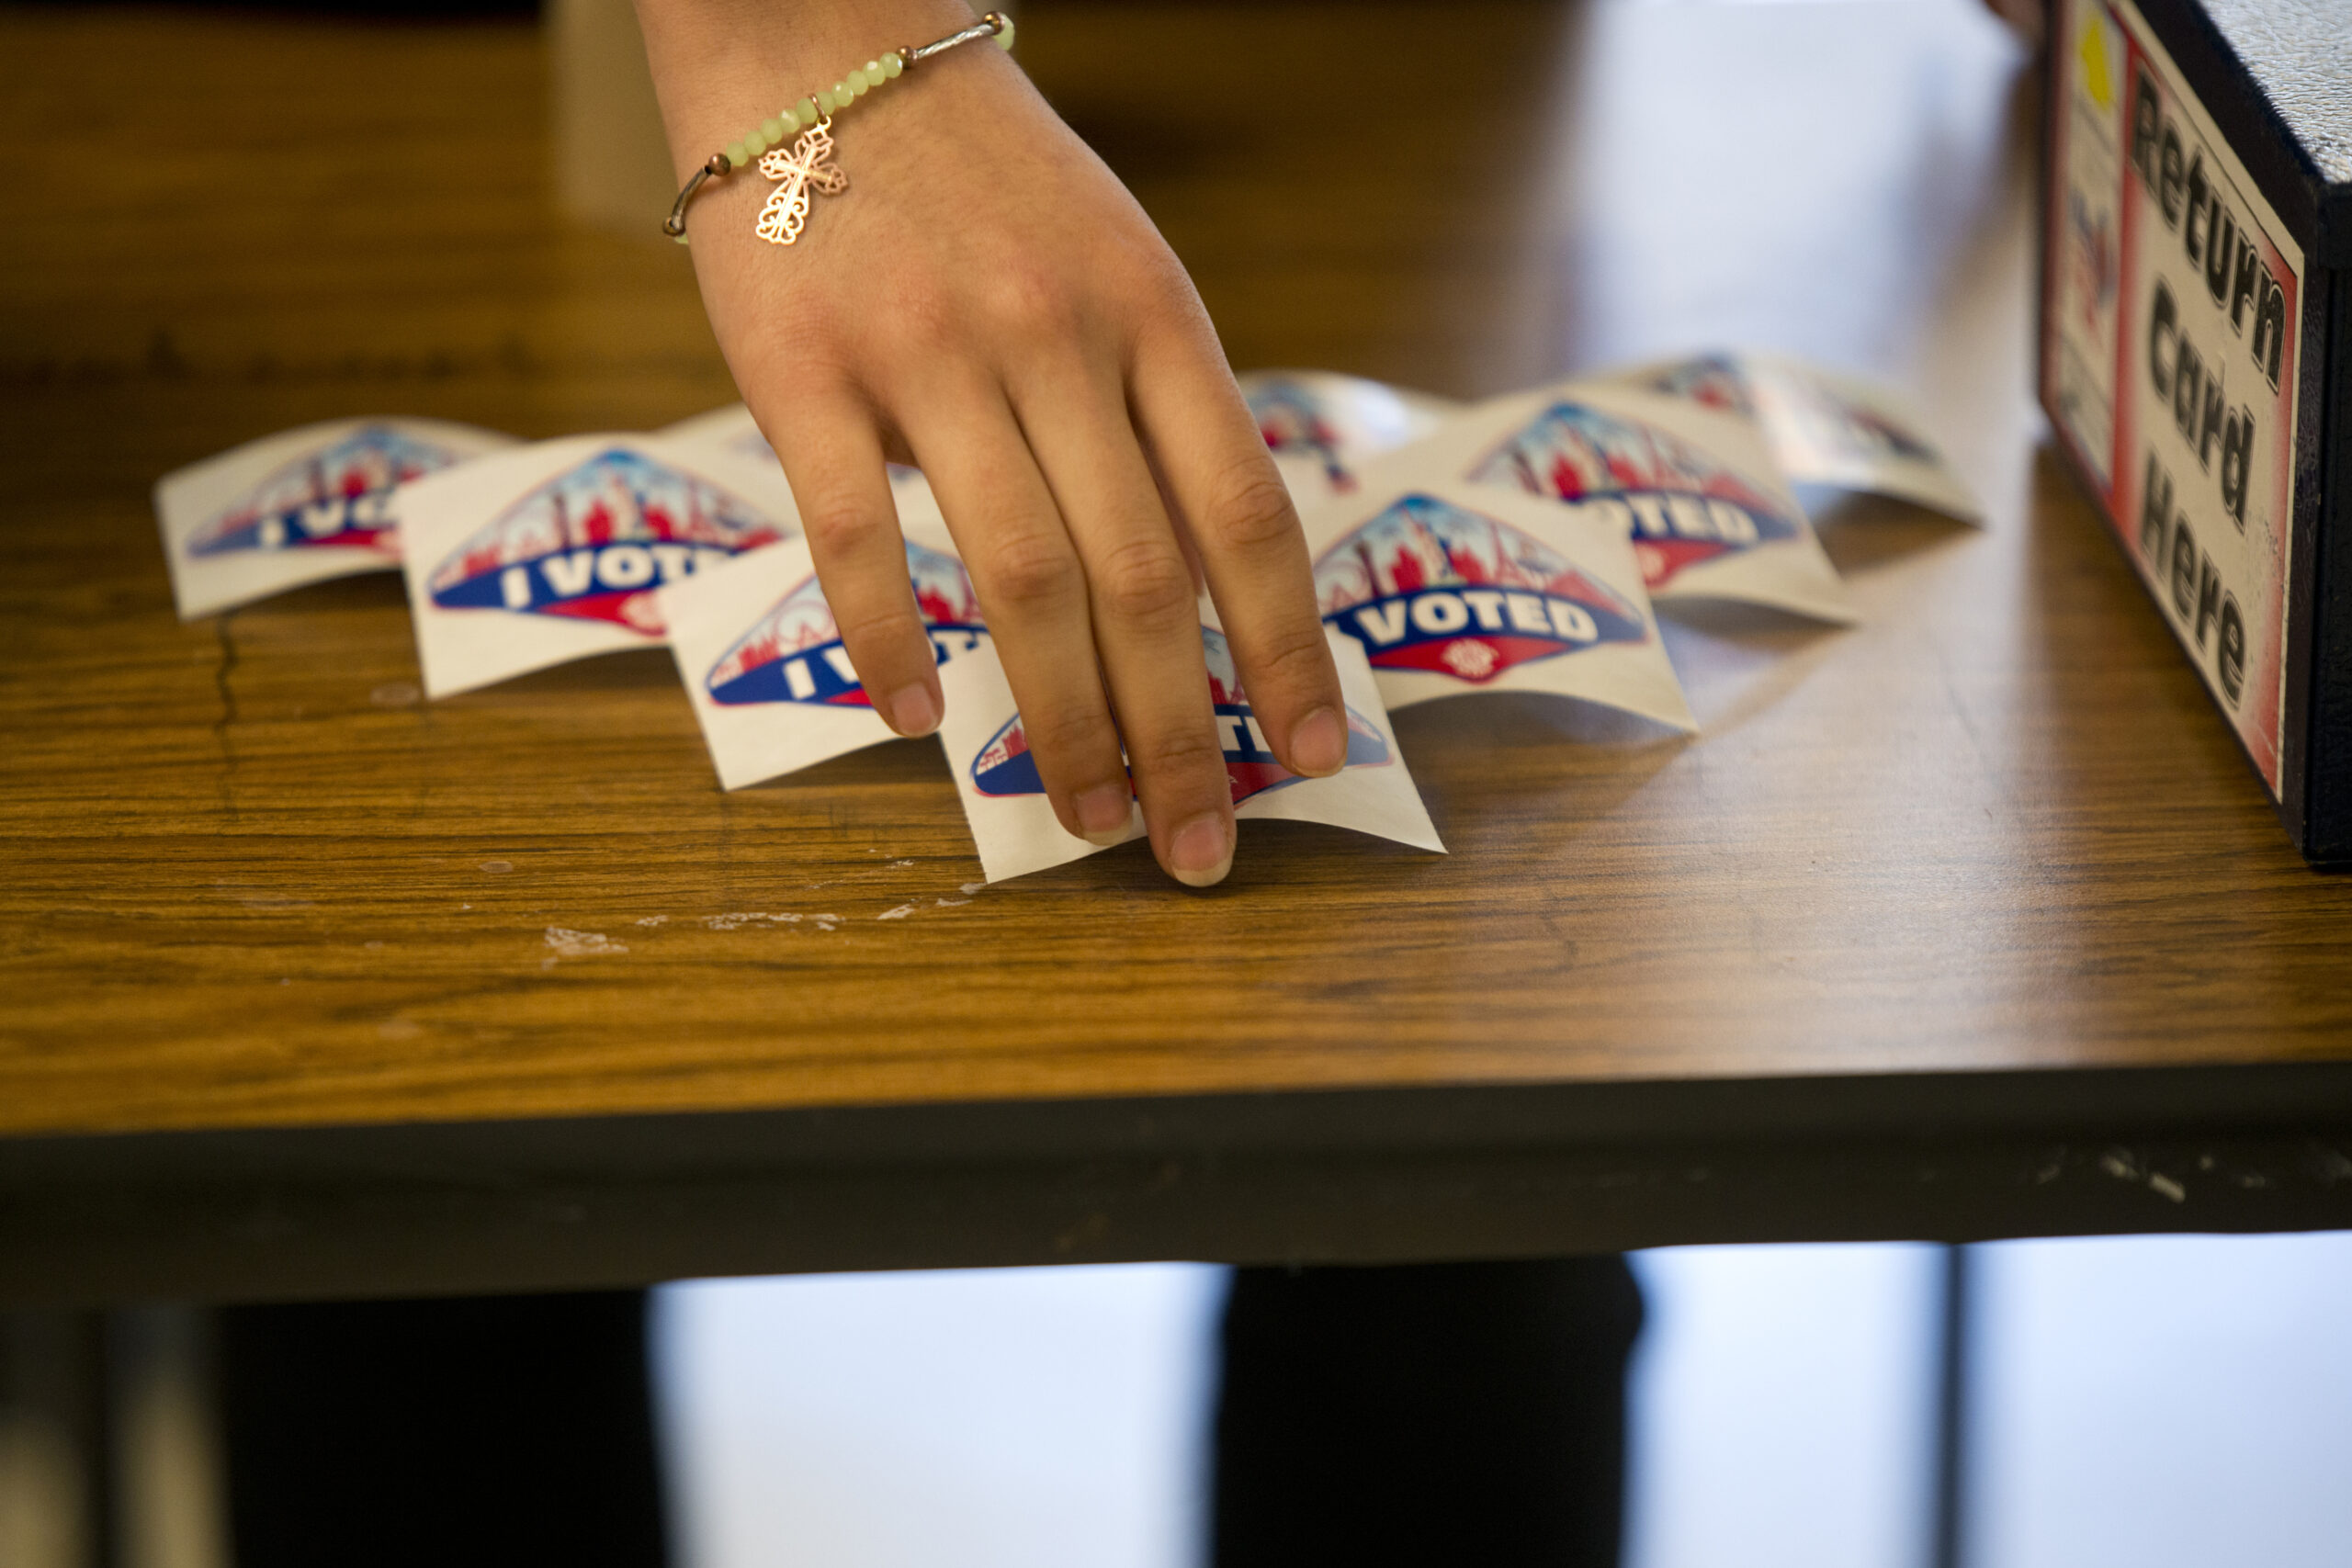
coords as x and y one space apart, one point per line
807 166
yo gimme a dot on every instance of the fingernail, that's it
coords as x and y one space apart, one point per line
1200 852
1103 813
912 711
1318 747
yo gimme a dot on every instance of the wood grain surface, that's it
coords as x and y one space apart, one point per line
253 881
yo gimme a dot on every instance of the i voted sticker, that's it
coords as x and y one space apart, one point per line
794 653
1013 823
1322 427
771 681
1692 489
1821 427
1428 584
561 549
303 506
1454 589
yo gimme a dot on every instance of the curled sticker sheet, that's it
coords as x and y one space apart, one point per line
1015 826
1823 428
1692 488
301 506
771 685
556 551
1450 589
732 432
1322 426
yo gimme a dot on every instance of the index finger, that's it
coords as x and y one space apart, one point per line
1223 487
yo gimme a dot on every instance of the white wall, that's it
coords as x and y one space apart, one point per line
1004 1418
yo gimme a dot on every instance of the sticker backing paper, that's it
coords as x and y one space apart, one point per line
1014 827
552 552
763 661
1453 588
1693 488
301 506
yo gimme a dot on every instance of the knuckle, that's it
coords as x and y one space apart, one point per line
1035 304
834 527
1292 660
1146 579
1177 751
1251 509
1031 570
1161 289
914 324
1069 731
883 632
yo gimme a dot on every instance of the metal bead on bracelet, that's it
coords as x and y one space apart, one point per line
810 166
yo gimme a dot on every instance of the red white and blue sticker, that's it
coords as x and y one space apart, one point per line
795 654
1820 427
1321 427
1710 381
1690 486
763 661
596 540
339 494
1013 823
1681 506
301 507
1428 584
1006 767
1291 421
1454 588
562 549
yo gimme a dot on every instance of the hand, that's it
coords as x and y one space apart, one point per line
987 301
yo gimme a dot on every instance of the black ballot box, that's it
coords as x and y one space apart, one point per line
2196 354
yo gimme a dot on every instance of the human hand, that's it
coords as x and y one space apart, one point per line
987 302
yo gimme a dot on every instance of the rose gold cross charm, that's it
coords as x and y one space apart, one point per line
805 167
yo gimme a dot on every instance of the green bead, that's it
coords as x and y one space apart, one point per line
735 154
1004 35
786 123
855 81
755 144
825 101
892 65
841 94
771 132
805 111
874 74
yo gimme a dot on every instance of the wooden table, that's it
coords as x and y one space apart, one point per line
1969 922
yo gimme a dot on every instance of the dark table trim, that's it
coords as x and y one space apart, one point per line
1367 1175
